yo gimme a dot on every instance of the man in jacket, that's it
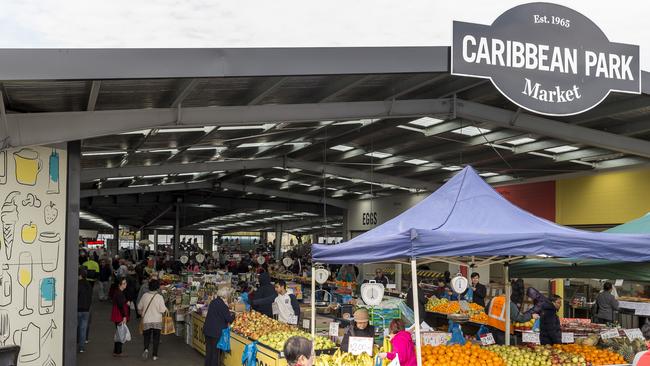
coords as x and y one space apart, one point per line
264 296
549 322
288 307
84 300
92 269
606 304
479 290
496 311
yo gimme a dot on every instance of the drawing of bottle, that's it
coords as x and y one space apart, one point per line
53 183
5 286
3 167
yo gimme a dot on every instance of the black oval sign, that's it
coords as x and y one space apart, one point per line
546 58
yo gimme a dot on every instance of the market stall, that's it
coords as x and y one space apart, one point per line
467 222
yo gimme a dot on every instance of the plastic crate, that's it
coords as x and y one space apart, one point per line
381 317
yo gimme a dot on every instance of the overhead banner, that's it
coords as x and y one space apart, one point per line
546 58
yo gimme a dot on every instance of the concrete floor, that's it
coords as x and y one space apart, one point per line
99 352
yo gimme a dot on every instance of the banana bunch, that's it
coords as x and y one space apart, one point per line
344 358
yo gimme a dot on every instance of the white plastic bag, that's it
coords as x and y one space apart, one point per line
122 334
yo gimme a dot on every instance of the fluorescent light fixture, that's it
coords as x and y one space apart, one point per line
292 170
299 143
342 148
378 155
188 174
172 151
426 121
416 161
154 176
488 174
355 122
206 148
332 189
102 153
205 129
520 141
304 184
257 144
250 176
140 185
471 131
265 126
414 129
452 168
561 149
279 180
119 178
138 132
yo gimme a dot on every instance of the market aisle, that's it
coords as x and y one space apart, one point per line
173 350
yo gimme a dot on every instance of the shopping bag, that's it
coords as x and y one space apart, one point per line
224 341
379 361
482 330
536 325
457 336
249 356
122 334
395 361
168 324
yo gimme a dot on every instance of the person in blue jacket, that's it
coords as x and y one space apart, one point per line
219 317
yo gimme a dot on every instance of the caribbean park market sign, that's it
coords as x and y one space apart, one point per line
546 58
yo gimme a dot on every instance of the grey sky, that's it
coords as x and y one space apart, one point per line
279 23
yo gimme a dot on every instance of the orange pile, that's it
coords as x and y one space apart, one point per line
592 354
457 355
450 307
480 318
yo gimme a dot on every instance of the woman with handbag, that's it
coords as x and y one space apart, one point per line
151 307
218 319
120 312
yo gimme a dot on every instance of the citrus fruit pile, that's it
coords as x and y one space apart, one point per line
459 355
592 354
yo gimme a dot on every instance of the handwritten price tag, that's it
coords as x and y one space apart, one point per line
633 334
293 320
359 345
435 338
334 329
568 338
608 334
530 337
487 339
306 323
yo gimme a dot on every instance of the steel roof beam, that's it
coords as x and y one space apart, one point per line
185 90
93 95
548 127
36 128
266 88
345 89
579 154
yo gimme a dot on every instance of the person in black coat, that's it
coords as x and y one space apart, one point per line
550 331
479 290
421 301
218 318
264 296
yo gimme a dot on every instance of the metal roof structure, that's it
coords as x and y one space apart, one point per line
284 134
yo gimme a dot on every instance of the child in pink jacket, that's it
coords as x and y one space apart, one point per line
403 346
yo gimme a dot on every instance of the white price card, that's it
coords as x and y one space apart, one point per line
306 323
293 320
334 329
568 338
608 334
424 327
633 334
435 338
618 283
530 337
487 339
359 345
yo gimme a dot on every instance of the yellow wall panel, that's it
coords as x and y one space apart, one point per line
607 198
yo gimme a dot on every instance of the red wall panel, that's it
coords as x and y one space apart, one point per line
536 198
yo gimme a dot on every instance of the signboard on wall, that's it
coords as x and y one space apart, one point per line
546 58
32 255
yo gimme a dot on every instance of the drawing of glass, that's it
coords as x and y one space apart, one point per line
3 167
5 286
28 339
25 274
53 183
50 242
28 165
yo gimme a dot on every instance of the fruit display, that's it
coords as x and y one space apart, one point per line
344 358
580 327
460 355
524 326
593 355
624 347
254 325
443 306
276 340
481 317
537 355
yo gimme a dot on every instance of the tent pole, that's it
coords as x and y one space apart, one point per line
506 274
313 302
416 310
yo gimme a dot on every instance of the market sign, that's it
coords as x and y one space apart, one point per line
546 58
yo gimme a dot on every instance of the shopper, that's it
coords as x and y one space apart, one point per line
120 312
286 303
299 352
549 322
218 318
84 301
144 288
152 307
380 277
347 273
605 305
402 342
359 327
479 290
132 289
92 273
104 279
421 300
264 296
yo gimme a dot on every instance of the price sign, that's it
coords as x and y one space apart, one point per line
334 329
568 338
608 334
306 323
435 338
359 345
618 283
530 337
293 320
487 339
633 334
642 310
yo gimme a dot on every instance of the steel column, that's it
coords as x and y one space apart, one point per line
71 254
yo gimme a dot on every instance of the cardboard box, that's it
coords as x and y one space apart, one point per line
240 307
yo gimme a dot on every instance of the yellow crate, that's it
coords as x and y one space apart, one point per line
198 339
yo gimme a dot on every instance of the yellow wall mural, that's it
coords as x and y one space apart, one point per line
32 268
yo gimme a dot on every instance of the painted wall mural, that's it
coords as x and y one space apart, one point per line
32 217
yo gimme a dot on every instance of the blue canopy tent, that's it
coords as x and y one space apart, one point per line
466 218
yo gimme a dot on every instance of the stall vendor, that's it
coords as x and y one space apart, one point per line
479 290
380 277
496 311
359 327
347 273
